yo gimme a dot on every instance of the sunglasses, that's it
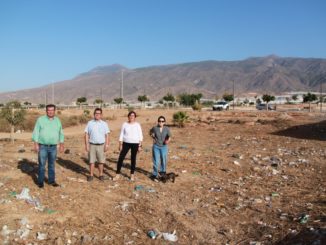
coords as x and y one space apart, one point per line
161 121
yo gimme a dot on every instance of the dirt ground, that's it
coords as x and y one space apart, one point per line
244 177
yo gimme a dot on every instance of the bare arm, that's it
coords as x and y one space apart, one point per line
86 138
36 147
61 147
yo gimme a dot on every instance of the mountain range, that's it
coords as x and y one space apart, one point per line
270 74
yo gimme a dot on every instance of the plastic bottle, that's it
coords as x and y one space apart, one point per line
151 234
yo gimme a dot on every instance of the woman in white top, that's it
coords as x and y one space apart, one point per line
131 137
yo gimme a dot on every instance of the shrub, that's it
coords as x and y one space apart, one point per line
197 106
86 112
4 125
83 119
180 118
14 114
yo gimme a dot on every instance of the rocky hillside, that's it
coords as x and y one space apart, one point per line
269 74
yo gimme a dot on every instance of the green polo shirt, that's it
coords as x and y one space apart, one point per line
48 132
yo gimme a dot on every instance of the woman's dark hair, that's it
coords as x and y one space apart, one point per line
161 117
132 112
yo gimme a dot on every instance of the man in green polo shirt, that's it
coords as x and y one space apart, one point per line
46 135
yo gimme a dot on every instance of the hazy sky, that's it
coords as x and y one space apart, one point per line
44 41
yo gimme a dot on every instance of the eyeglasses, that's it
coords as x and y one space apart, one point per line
161 121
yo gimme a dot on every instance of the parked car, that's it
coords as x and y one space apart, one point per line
262 106
221 105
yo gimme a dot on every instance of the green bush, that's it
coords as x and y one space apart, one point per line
86 112
83 119
4 125
180 118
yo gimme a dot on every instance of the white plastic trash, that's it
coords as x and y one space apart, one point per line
24 194
172 237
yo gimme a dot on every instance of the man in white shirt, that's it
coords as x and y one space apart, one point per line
96 143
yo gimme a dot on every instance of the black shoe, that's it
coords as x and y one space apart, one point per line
154 178
54 184
40 185
101 178
89 178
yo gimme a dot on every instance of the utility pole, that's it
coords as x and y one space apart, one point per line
233 95
321 95
121 85
101 98
52 93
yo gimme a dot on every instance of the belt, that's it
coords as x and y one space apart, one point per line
96 144
47 145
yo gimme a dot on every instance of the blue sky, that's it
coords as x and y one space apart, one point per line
45 41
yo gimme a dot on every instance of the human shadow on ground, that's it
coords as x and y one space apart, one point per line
306 236
106 167
110 166
312 131
114 162
68 164
30 168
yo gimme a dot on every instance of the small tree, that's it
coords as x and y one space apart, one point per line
118 101
14 114
81 100
189 99
142 98
267 98
258 101
169 98
98 101
180 118
295 97
27 104
309 98
227 97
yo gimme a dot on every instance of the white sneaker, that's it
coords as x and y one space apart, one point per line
117 177
132 177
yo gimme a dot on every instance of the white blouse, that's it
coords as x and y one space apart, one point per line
131 133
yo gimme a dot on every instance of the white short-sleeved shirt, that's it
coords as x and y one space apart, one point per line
131 133
97 130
